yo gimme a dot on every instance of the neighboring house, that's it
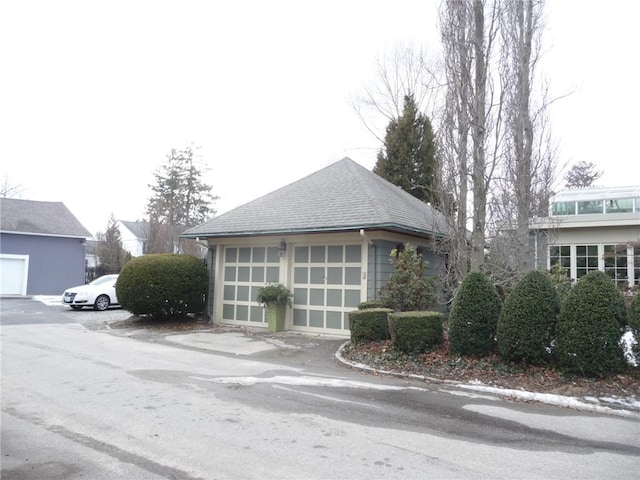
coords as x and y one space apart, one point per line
593 228
42 248
134 236
327 237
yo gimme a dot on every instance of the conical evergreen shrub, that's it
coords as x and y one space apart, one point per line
590 326
474 316
527 320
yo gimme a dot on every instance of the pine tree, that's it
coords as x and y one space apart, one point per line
408 156
179 200
112 255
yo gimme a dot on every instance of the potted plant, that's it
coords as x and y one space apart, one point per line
275 297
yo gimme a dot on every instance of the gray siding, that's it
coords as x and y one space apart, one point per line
55 263
380 267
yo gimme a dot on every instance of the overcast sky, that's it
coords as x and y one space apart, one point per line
93 95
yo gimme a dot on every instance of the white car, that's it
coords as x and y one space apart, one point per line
99 294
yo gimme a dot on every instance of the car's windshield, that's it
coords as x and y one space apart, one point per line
101 280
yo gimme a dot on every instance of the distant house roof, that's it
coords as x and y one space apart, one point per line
341 197
39 218
139 229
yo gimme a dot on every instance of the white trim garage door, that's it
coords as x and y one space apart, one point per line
14 270
245 270
327 284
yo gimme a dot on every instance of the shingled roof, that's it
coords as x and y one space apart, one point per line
39 218
139 229
341 197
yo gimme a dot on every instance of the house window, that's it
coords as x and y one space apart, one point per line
564 208
620 205
590 206
560 255
636 265
586 259
615 264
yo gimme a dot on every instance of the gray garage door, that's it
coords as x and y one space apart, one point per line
246 269
327 284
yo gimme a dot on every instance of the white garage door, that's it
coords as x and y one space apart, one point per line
327 284
13 274
246 269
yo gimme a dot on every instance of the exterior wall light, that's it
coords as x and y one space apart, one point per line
282 249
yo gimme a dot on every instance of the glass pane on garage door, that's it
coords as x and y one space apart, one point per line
327 285
246 269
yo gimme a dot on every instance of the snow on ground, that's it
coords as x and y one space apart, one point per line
49 300
624 407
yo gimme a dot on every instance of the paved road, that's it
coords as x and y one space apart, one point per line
80 401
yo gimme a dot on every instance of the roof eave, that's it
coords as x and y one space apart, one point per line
329 229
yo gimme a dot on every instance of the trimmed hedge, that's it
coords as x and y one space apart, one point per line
590 327
527 320
415 332
474 316
375 303
369 325
163 285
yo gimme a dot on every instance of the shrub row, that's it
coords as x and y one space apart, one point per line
582 333
410 332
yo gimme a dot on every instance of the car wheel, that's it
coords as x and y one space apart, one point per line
75 307
102 303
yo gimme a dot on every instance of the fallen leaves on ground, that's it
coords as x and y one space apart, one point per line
492 371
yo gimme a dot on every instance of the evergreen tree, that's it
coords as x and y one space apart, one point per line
179 200
112 255
473 319
407 288
408 156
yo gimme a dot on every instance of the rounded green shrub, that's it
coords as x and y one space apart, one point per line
590 327
474 316
369 325
415 332
527 320
163 285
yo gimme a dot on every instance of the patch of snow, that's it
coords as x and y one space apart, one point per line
628 341
562 400
49 300
305 381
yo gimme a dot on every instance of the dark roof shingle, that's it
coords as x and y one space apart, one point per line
139 229
342 196
43 218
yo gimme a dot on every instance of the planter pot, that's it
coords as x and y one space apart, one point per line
275 316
